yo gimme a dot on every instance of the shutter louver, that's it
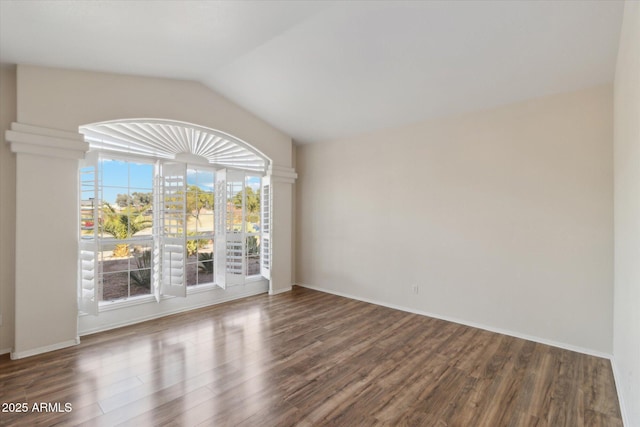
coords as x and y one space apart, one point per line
88 278
88 247
234 228
265 222
174 229
220 227
158 225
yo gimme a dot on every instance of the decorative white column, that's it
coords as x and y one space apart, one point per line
46 305
282 180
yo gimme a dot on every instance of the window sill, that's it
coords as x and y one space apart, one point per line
201 288
129 302
145 299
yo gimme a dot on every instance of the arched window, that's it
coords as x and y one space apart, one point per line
167 205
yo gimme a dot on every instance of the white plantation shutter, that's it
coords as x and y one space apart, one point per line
88 247
229 233
235 258
173 218
265 228
88 278
220 227
158 226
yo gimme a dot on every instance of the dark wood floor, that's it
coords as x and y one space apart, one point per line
309 358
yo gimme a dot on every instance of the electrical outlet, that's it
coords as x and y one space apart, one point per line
415 289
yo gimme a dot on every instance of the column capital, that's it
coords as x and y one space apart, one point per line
282 174
46 142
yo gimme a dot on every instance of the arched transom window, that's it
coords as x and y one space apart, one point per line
167 139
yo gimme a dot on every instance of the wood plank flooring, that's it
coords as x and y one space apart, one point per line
308 358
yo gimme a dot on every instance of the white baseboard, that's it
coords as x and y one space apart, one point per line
5 350
57 346
280 291
618 383
514 334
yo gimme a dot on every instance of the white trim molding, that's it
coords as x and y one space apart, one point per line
46 142
44 349
282 174
280 291
618 383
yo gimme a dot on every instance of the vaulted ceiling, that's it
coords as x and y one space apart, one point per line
324 70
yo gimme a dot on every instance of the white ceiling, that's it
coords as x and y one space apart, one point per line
326 70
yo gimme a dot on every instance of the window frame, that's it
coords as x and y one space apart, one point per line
95 304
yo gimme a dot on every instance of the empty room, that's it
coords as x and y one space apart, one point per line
294 213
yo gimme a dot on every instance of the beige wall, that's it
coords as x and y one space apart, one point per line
503 218
7 207
65 99
626 332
